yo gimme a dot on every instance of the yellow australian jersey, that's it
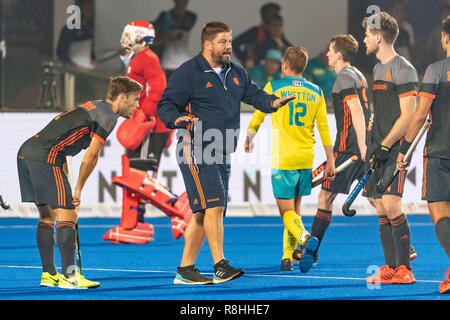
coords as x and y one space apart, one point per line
293 124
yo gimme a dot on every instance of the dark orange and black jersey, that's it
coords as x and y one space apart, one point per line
70 132
393 80
436 86
350 83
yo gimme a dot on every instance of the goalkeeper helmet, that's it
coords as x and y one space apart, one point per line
137 34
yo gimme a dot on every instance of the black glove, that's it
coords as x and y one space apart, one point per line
381 154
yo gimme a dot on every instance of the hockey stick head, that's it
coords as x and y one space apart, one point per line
347 211
382 185
4 204
346 206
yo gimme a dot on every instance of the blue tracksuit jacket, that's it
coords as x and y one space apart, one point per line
196 89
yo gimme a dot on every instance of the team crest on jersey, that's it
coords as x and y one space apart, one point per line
297 83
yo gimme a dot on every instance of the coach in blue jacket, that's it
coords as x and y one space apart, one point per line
202 99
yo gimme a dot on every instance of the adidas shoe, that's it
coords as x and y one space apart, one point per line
403 276
385 275
224 272
444 287
190 275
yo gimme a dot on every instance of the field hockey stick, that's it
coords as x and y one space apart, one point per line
319 169
382 185
352 196
70 178
342 167
3 203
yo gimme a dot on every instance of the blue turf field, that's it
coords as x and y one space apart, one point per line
137 272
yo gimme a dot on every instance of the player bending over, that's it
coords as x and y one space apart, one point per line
42 160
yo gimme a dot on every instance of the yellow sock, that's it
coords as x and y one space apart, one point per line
294 224
289 244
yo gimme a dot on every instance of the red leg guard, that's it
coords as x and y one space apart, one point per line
130 230
138 187
130 204
142 234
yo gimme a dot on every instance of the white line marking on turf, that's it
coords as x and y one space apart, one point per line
247 274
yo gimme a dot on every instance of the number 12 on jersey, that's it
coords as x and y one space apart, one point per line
297 110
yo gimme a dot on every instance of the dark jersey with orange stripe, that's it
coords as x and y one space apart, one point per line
393 80
350 83
436 86
70 132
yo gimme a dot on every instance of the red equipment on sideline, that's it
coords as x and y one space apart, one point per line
138 187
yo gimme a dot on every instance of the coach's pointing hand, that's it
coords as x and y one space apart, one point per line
278 103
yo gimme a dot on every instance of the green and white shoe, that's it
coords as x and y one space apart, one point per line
47 280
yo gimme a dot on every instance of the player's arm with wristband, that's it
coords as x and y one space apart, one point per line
427 94
414 127
398 130
406 83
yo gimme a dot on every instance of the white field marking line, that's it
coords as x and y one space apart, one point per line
239 225
249 275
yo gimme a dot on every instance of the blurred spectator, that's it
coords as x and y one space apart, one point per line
77 45
320 73
268 70
404 45
434 50
274 38
244 45
172 36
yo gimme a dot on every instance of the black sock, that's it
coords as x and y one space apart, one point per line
45 238
320 224
402 240
442 228
387 241
66 237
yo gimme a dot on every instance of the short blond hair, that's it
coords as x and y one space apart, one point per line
296 58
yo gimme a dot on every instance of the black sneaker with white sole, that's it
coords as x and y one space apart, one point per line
224 272
190 275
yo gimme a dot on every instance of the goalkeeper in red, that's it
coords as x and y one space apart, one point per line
144 135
